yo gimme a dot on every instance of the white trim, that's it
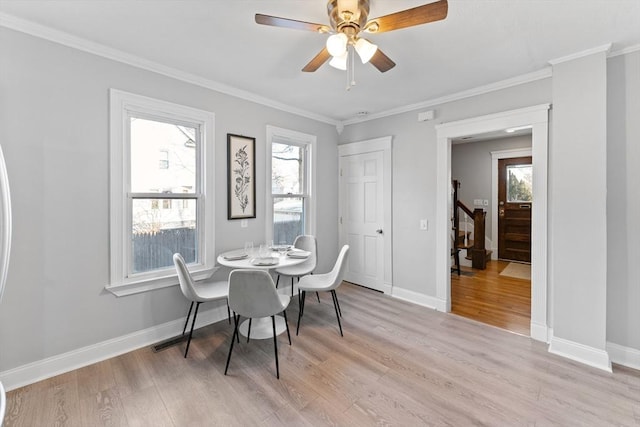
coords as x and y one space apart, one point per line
587 52
383 144
625 356
65 362
121 103
540 332
419 299
538 117
5 225
625 51
274 134
581 353
98 49
495 156
492 87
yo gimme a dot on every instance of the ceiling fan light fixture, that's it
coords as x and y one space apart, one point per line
340 62
337 44
365 50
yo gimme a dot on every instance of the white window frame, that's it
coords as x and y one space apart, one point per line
309 142
122 105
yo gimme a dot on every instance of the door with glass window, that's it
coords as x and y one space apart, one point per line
515 198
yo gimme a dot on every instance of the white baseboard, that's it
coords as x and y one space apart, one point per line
540 332
581 353
418 298
626 356
59 364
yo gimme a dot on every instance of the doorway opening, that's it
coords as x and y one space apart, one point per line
537 119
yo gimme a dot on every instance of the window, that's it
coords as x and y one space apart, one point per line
519 183
290 208
147 227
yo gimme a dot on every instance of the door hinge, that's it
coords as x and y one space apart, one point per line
340 220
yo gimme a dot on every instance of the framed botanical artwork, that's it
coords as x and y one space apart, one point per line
241 185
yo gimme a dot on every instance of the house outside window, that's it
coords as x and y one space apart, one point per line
290 208
143 237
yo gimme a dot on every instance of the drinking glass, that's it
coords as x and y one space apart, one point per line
263 251
248 248
282 248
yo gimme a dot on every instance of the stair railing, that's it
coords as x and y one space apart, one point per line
478 215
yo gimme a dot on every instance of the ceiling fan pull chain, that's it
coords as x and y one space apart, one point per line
353 66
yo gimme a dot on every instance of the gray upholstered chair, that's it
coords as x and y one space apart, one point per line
327 282
253 294
198 292
306 243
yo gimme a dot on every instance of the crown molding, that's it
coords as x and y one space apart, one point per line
492 87
625 51
598 49
66 39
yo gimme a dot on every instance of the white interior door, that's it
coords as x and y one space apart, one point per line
362 217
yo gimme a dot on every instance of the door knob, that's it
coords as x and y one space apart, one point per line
379 231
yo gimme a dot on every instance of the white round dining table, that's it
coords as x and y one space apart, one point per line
261 328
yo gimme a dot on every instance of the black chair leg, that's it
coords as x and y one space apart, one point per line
233 338
275 345
291 286
335 295
286 322
228 312
301 308
277 280
249 329
318 296
195 314
335 306
187 321
235 321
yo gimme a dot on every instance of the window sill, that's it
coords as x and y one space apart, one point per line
138 286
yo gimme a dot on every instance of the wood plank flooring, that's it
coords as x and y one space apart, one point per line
398 364
489 298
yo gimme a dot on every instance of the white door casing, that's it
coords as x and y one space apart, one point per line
538 118
365 212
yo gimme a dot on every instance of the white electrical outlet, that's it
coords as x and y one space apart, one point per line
485 202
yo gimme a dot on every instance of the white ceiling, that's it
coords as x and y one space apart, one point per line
481 42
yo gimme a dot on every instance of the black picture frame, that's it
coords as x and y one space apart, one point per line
241 177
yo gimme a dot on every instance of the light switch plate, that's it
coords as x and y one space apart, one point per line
424 224
244 223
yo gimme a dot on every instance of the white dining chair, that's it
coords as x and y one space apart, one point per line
306 243
327 282
253 294
198 292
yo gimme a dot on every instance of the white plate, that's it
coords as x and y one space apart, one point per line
265 261
298 253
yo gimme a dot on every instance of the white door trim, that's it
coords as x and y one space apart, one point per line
495 156
378 144
538 118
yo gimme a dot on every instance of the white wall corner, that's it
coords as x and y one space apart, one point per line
626 356
59 364
419 299
540 332
591 356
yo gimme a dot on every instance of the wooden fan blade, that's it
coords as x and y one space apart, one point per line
381 61
317 61
291 23
408 18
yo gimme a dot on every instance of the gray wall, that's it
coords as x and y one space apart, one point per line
623 200
414 174
471 166
54 122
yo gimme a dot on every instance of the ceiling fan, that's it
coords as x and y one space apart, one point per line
349 21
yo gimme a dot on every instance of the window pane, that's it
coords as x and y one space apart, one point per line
163 156
519 183
288 219
159 233
287 169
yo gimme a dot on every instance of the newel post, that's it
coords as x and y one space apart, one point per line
478 253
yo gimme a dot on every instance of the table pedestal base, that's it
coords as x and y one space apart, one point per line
261 327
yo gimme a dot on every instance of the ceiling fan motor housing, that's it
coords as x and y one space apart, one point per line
348 16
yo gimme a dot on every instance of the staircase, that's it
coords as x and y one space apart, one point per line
476 251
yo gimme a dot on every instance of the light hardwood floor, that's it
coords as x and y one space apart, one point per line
398 364
489 298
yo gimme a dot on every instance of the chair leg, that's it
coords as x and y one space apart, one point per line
277 280
335 306
249 329
233 338
228 312
195 314
275 345
337 302
286 322
291 286
318 296
235 321
187 321
301 308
